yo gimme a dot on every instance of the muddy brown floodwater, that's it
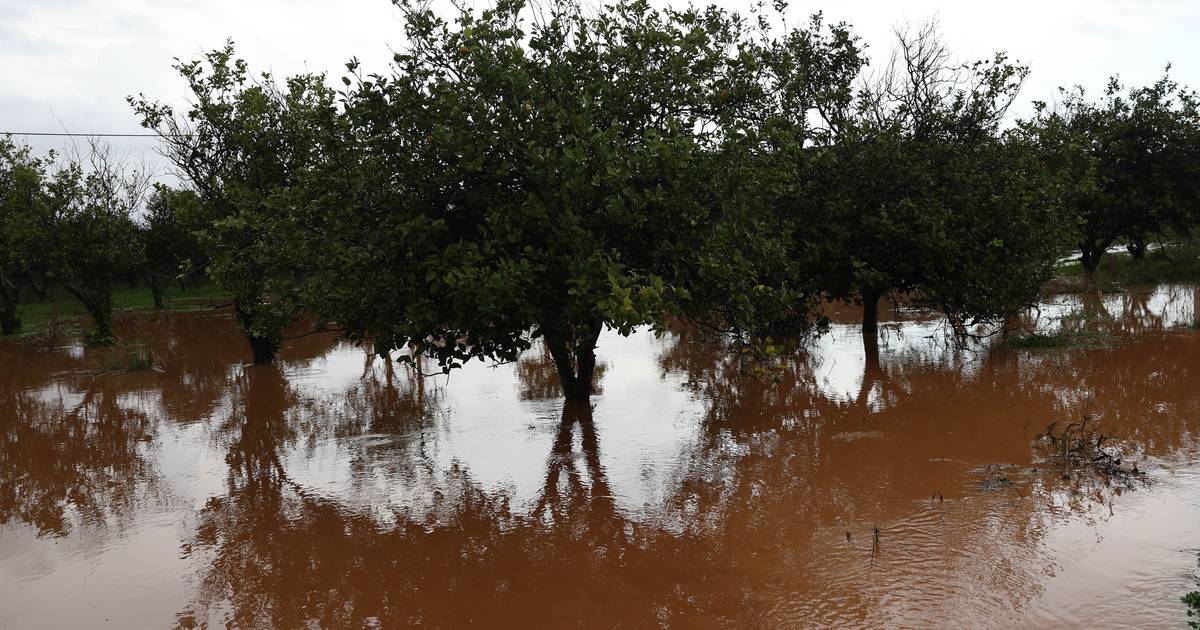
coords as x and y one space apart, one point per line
334 491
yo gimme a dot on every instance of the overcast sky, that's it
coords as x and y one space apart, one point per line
71 63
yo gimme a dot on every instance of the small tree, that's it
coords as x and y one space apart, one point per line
171 248
925 197
242 142
21 204
94 238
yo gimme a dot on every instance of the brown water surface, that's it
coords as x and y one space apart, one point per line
840 490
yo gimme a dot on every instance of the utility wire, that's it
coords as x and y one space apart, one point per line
90 135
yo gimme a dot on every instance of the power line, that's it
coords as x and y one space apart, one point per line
90 135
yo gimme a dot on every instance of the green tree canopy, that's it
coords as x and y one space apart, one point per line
923 195
22 206
1128 165
244 142
520 177
91 226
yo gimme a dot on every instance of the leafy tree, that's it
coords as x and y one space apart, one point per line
242 141
762 274
92 231
170 246
922 195
1127 165
21 202
521 177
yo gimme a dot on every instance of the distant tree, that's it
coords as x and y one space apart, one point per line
170 246
1127 165
924 196
21 204
241 143
92 230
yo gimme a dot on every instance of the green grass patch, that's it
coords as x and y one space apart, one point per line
60 305
1082 339
1192 600
1175 263
127 357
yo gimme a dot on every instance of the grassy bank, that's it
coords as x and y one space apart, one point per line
62 305
1176 263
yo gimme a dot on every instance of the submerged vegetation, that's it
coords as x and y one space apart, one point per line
126 356
1076 339
1083 449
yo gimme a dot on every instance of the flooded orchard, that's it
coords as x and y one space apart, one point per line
925 486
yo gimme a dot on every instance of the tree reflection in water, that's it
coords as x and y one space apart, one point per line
275 554
340 507
64 465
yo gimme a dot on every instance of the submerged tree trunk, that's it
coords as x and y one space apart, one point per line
157 291
263 347
1091 251
870 324
1090 259
99 306
575 360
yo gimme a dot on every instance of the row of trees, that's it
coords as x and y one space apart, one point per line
1128 166
540 172
83 224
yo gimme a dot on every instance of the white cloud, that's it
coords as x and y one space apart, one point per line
77 60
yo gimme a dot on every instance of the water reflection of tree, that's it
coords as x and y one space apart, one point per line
768 517
277 555
538 376
66 465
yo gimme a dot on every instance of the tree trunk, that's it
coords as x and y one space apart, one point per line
1137 247
157 291
10 321
10 296
99 307
1090 259
575 360
870 324
41 290
1091 251
263 349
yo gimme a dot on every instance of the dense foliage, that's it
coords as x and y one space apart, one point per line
240 144
21 204
1128 166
